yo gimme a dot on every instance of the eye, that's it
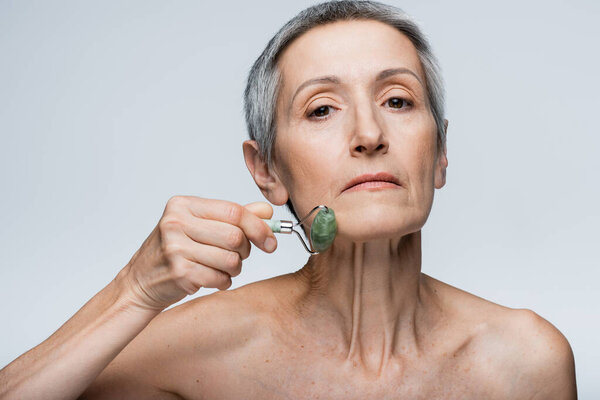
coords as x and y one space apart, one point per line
398 102
320 112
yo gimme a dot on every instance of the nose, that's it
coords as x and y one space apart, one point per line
369 136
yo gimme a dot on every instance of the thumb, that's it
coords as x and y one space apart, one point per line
261 209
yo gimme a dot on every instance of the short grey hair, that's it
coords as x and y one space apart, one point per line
264 79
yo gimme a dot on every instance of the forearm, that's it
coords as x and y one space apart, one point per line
67 362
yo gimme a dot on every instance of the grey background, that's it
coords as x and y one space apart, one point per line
109 108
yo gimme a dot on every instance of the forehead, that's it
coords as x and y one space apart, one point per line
353 50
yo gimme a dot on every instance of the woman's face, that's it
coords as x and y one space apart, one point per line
364 110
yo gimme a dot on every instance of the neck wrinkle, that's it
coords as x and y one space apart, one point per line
370 293
358 257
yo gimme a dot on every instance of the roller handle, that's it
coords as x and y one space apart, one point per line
279 225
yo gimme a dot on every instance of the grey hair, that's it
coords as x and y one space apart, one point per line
264 79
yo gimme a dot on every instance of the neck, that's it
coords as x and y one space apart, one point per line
369 298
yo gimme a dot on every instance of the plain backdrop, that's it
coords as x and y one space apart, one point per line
109 108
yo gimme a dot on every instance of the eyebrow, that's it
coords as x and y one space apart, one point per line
386 73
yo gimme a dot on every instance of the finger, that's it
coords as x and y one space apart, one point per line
261 209
217 233
255 229
198 276
211 277
227 261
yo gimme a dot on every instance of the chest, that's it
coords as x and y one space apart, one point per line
295 377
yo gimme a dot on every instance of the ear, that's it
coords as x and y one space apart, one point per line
441 162
266 179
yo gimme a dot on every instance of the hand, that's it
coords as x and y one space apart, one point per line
197 243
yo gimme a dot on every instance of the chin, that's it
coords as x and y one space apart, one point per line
378 222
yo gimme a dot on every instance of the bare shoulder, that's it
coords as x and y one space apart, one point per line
543 359
182 347
215 326
520 352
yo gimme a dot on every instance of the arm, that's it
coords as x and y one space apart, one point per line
175 350
63 365
197 243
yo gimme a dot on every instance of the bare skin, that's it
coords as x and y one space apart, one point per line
359 320
257 346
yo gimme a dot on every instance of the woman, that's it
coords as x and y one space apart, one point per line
344 108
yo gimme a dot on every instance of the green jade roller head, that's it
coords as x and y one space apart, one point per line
322 230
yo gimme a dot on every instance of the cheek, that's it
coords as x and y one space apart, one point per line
305 171
420 156
424 162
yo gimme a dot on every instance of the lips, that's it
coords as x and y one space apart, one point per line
378 177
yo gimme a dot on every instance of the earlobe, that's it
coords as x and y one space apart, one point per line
267 180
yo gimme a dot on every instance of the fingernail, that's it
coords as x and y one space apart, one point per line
270 244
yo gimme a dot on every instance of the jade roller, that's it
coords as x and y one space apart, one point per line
322 230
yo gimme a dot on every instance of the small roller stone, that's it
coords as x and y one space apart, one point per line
323 230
